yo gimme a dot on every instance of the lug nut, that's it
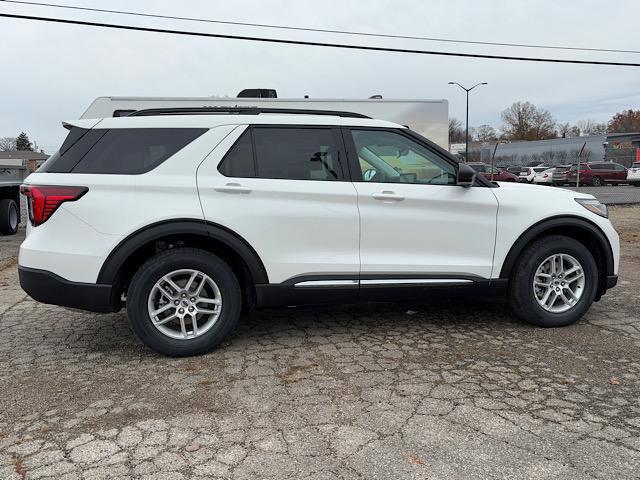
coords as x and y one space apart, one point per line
184 295
181 310
191 309
176 302
193 299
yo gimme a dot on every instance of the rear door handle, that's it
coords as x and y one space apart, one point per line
232 188
387 196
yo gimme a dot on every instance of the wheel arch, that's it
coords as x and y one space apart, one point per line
142 244
580 229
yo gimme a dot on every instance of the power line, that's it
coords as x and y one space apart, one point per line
312 44
320 30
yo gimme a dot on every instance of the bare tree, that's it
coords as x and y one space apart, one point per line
525 121
591 127
456 132
561 156
564 130
485 133
548 156
7 144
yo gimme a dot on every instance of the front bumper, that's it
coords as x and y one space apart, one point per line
47 287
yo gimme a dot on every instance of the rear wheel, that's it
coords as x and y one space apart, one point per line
554 282
184 302
9 217
596 181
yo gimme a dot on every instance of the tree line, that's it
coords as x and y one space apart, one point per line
21 142
525 121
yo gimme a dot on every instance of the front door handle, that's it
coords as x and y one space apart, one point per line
388 196
232 188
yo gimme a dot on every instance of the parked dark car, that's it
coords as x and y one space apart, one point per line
561 175
493 173
598 173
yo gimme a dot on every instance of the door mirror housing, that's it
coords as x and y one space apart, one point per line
466 175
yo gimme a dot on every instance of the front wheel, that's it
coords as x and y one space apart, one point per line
184 302
554 282
596 181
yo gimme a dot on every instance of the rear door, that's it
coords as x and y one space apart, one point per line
284 189
416 224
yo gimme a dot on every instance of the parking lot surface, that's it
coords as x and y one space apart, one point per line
423 390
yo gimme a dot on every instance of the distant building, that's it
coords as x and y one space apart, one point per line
17 157
623 148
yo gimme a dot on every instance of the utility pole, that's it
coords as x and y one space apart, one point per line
466 147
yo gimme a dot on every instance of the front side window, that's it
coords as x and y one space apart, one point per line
388 157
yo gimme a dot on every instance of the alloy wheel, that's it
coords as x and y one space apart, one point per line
184 304
559 283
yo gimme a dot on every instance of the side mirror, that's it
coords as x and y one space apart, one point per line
466 175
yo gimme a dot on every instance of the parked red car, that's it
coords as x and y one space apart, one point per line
598 173
498 175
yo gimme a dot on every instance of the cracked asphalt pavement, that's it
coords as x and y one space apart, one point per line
448 389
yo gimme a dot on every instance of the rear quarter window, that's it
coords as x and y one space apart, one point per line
121 151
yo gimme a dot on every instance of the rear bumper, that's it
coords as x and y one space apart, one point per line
47 287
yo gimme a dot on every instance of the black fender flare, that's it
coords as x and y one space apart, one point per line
116 259
553 223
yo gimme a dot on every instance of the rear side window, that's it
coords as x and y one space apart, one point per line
122 151
285 153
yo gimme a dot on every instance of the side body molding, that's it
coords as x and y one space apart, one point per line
558 224
116 259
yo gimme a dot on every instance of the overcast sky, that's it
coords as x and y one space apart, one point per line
51 72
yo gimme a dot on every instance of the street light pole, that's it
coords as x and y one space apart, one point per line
467 90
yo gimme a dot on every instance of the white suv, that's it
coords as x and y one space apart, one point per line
184 216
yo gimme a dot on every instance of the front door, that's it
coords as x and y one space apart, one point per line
416 224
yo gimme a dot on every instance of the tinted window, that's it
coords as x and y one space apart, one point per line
598 166
131 151
238 162
389 157
76 145
618 167
296 153
478 167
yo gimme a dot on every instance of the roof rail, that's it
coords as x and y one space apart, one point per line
234 110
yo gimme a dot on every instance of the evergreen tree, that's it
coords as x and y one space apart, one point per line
23 142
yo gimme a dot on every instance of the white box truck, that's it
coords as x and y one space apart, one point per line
429 118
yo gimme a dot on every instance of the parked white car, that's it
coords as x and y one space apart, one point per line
528 173
184 216
633 174
544 177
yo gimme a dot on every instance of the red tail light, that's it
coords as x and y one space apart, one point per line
45 200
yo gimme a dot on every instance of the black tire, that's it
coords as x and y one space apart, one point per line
597 182
169 261
636 184
521 293
9 217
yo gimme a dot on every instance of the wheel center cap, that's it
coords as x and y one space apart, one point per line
185 303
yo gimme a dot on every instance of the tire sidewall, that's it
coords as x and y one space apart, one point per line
152 271
9 205
524 286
